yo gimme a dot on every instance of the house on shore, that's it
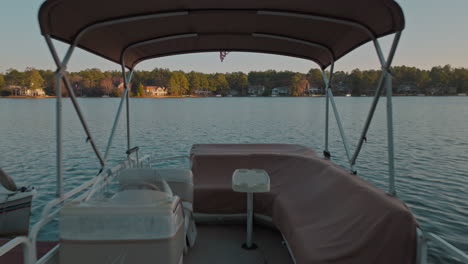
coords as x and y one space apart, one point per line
312 90
407 89
203 92
155 91
17 90
234 92
35 92
280 91
442 90
256 89
341 88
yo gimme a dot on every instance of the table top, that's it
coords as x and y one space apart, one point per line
250 181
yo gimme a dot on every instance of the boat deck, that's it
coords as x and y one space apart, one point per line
215 244
223 244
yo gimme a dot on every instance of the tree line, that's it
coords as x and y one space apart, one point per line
439 80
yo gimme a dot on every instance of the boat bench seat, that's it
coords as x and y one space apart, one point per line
133 226
326 214
180 180
147 220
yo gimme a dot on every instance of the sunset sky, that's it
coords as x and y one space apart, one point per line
436 34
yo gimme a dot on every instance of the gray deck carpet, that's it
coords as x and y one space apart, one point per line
223 244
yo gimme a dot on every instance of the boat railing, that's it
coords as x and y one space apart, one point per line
27 247
426 238
30 252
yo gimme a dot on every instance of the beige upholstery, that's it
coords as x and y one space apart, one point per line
168 250
180 180
133 226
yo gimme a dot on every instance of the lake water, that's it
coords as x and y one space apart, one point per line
431 143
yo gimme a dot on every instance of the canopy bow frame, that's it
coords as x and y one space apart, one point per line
387 8
385 79
61 66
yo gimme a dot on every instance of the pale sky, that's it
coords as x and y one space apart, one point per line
436 34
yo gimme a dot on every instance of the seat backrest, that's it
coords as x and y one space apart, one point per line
180 181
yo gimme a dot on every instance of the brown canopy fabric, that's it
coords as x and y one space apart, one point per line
318 30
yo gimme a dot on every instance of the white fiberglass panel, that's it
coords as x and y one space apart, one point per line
121 221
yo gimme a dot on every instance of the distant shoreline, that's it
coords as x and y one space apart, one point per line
192 96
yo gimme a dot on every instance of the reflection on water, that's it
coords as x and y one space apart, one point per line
430 136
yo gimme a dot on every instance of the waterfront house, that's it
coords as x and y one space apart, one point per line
35 92
234 92
16 90
341 88
155 91
256 89
311 90
407 89
203 92
278 91
442 90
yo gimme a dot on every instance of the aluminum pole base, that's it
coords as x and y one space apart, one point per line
252 247
249 245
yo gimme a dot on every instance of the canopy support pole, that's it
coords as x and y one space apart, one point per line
116 119
60 75
59 132
327 82
390 143
326 152
330 98
73 99
385 69
127 78
385 79
340 128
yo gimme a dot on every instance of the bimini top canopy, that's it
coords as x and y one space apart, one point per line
132 31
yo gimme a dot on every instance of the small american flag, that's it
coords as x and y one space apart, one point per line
222 55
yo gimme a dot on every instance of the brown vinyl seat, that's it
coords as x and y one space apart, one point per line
326 214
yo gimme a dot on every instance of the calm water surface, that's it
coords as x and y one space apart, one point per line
431 137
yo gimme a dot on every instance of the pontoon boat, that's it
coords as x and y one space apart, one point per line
235 203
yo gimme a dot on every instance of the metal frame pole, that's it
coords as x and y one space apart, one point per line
74 101
249 243
59 129
340 128
385 68
386 78
127 79
330 98
114 126
59 132
327 114
391 153
128 120
327 82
